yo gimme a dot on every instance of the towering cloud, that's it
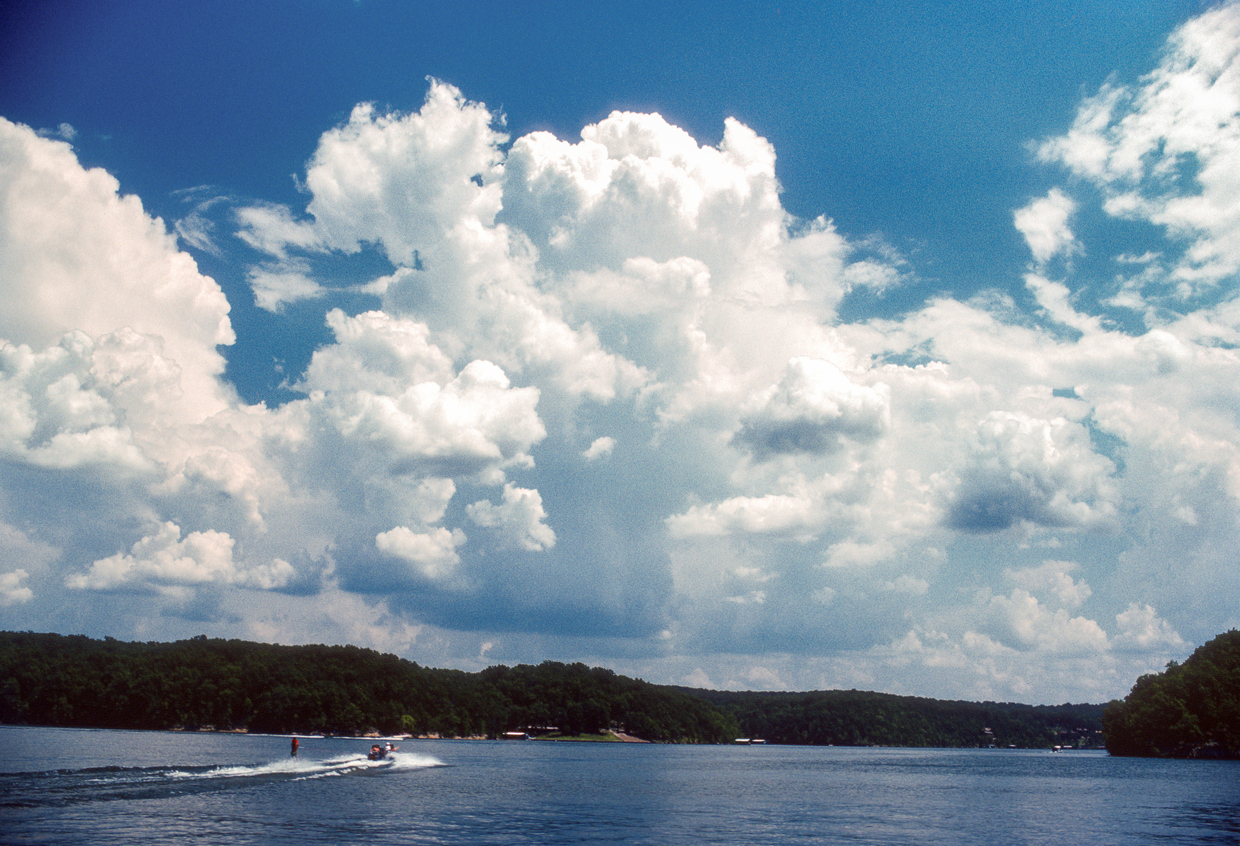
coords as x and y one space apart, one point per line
600 404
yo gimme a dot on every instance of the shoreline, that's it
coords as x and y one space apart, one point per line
610 736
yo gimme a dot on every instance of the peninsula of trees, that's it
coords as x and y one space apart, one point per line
201 683
1192 710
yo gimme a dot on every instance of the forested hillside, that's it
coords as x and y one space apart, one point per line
48 679
1190 711
861 718
56 680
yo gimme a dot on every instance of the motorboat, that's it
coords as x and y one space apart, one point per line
379 752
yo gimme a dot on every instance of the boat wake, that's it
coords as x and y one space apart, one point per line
53 788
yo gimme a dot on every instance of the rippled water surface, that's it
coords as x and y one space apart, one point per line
108 787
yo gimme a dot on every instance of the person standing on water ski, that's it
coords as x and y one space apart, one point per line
293 754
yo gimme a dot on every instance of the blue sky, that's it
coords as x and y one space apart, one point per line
744 345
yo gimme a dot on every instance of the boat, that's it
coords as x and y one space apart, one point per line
380 752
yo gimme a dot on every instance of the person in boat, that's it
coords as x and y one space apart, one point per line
376 753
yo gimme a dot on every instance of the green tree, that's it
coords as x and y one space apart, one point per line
1189 710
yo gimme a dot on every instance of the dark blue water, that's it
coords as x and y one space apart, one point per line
106 787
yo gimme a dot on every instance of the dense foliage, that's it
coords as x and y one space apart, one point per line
49 679
1190 711
860 718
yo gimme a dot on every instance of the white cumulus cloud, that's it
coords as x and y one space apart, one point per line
1044 223
166 559
973 497
519 518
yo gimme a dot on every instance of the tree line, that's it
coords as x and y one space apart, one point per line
1192 710
863 718
59 680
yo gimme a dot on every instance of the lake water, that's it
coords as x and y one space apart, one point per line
64 786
